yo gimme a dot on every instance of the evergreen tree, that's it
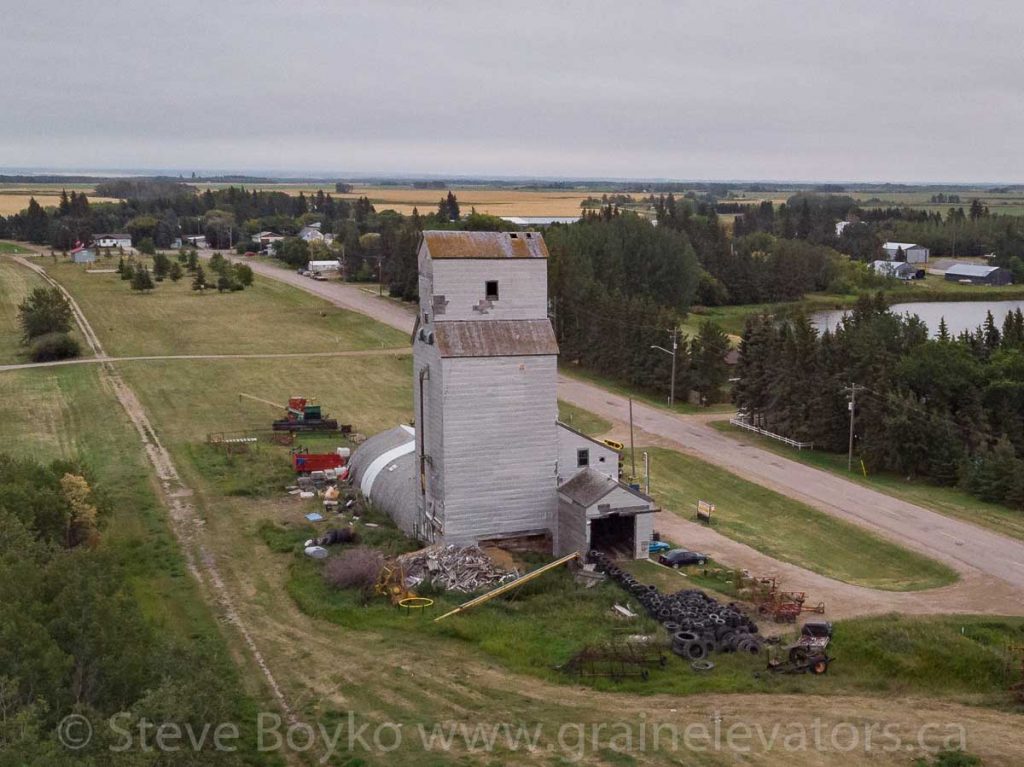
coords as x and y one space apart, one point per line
199 281
710 371
176 272
142 280
452 206
36 225
943 330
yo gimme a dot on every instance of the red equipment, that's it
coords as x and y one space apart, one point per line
303 463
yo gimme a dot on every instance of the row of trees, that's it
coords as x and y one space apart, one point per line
947 409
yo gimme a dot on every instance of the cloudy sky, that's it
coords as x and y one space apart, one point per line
790 90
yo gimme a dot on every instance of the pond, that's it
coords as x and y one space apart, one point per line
960 315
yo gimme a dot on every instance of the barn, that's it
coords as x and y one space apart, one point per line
488 459
911 252
975 274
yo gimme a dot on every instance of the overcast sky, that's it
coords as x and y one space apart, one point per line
791 90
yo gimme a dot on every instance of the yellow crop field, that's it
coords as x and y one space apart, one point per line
15 202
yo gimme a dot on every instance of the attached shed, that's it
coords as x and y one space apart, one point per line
384 470
979 275
577 451
598 512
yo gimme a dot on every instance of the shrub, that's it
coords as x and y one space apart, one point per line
357 568
43 312
54 346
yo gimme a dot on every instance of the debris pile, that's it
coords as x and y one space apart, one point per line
698 624
453 568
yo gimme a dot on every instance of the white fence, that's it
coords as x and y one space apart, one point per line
765 433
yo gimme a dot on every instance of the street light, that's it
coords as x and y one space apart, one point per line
672 354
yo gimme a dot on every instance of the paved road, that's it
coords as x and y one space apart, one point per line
971 550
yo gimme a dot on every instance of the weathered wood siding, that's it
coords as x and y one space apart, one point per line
642 534
500 446
569 442
522 288
431 439
571 529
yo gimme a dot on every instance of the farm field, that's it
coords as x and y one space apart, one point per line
945 500
267 317
789 530
15 201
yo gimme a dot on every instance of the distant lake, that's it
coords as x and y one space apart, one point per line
960 315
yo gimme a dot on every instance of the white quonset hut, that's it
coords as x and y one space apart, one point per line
489 453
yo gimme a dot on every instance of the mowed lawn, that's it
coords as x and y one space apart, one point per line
946 500
16 282
188 399
789 530
267 317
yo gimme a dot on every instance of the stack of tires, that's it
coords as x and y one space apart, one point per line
697 624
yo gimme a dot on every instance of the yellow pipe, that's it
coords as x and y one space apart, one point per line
509 586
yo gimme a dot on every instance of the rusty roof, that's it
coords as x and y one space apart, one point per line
495 338
444 244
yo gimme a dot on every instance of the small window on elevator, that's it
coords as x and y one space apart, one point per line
491 290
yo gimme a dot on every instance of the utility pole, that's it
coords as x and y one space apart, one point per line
632 451
675 347
852 391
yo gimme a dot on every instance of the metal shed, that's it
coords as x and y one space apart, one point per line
384 469
596 511
979 275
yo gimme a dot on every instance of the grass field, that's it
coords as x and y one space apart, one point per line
268 317
12 248
582 420
789 530
16 282
945 500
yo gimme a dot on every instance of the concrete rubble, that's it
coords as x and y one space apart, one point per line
453 568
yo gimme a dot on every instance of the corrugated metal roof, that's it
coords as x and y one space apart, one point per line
589 486
971 270
442 244
904 245
495 338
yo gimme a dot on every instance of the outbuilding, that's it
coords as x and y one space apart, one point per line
598 512
975 274
384 470
911 252
895 269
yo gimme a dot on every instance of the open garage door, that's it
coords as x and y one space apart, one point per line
614 534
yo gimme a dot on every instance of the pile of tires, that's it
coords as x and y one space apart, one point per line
698 625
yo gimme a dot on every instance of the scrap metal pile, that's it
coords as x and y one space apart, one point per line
697 623
453 568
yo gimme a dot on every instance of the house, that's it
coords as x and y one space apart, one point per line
912 253
979 275
268 239
488 459
123 241
899 270
311 233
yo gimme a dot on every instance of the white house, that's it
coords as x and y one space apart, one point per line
112 241
895 269
311 233
488 459
913 253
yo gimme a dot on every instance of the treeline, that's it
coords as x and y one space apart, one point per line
948 409
958 232
74 639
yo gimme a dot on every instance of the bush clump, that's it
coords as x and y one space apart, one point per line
53 346
357 568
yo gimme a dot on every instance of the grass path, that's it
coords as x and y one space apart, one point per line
945 500
789 530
